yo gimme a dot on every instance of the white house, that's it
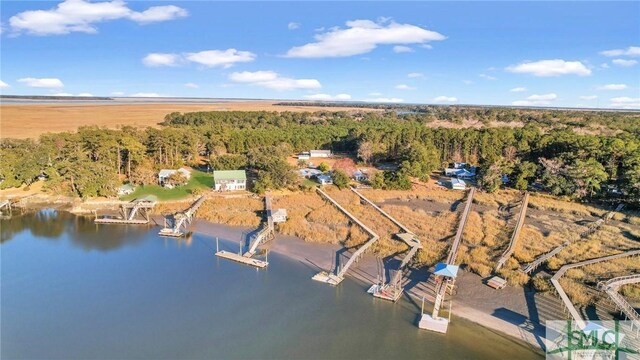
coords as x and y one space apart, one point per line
320 153
457 184
461 173
165 173
324 179
305 155
229 180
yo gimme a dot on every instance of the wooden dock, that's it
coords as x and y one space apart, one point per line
135 212
338 273
105 220
611 287
433 321
242 259
555 281
181 220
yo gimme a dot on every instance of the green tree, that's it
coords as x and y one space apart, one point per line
587 176
340 179
323 167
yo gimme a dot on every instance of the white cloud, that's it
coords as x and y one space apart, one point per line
146 94
272 80
415 75
555 67
613 87
604 65
42 82
588 97
325 97
192 85
536 100
404 87
224 58
208 58
117 93
426 46
385 100
630 51
362 36
293 26
518 89
399 49
487 77
159 59
81 16
623 62
444 99
85 94
61 94
625 102
3 85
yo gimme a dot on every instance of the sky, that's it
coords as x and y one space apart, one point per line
565 54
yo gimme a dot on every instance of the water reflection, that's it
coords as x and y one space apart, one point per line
80 231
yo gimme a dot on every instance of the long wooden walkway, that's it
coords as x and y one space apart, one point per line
182 218
555 281
392 290
434 322
338 273
516 233
611 287
266 231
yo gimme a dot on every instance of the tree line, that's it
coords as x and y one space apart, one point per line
94 161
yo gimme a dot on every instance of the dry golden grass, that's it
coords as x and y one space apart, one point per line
234 211
32 120
631 292
314 220
576 292
547 202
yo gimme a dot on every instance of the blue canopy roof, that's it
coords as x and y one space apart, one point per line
447 270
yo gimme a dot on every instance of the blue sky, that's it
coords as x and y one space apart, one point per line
499 53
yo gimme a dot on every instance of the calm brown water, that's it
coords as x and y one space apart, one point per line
74 290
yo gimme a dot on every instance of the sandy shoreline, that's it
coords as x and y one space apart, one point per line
503 315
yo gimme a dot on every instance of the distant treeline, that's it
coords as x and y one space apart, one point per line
603 119
45 97
94 161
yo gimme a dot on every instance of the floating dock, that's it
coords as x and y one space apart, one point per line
242 259
267 232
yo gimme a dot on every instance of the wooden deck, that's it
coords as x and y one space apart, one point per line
120 221
516 233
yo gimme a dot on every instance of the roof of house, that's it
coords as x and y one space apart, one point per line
309 172
229 175
320 151
456 181
168 172
447 270
324 177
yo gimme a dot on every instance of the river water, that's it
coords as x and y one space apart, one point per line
74 290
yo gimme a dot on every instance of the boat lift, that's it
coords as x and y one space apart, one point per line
181 220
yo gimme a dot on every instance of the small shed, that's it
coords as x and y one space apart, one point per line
279 215
305 155
308 173
458 184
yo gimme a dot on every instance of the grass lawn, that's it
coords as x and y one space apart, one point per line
199 180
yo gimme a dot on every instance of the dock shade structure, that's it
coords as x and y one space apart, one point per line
229 180
446 270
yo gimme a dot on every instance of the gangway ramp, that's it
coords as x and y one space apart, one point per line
337 275
392 290
433 321
611 287
182 219
543 258
134 212
265 232
516 233
555 281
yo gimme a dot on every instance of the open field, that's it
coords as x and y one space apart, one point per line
32 120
